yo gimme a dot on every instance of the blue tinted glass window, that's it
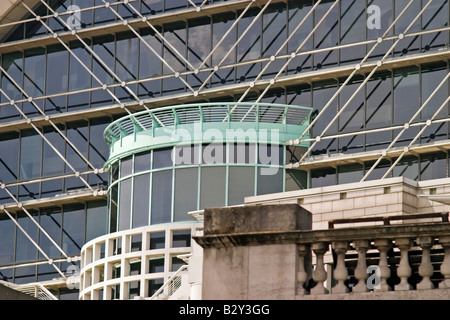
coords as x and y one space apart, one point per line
73 229
50 220
406 94
9 160
11 81
30 155
7 249
162 158
78 134
52 164
96 219
126 56
433 166
25 249
57 59
34 71
142 162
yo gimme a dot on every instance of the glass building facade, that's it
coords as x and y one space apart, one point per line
373 72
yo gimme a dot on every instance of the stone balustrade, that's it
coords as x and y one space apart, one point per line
403 257
409 259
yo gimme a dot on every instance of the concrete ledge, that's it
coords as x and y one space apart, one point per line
325 235
11 294
432 294
274 218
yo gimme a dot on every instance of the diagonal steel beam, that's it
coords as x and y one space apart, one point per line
50 261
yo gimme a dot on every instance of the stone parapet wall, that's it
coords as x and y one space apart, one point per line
394 196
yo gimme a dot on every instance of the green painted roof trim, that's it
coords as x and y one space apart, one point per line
206 123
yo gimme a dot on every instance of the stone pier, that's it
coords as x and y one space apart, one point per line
234 268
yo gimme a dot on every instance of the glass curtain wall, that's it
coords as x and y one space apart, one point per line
162 185
192 41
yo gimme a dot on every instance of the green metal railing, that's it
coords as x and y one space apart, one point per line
222 112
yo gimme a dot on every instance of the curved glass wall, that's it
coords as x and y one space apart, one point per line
169 161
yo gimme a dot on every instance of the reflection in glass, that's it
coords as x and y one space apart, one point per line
379 100
124 204
323 177
161 197
52 163
433 166
353 20
141 194
30 155
162 158
78 134
407 167
432 76
126 56
350 173
269 180
34 70
57 56
181 238
212 187
353 115
50 221
10 159
296 180
157 240
142 162
126 166
7 229
13 64
185 198
406 94
96 218
73 229
241 184
177 263
156 265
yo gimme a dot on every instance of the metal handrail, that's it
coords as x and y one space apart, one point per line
172 284
36 290
206 112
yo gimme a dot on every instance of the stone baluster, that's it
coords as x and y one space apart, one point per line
340 272
403 269
304 260
319 275
361 247
445 266
425 268
383 246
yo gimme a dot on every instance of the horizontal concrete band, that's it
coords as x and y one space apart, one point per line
392 232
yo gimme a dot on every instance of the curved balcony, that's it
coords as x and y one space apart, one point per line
133 263
206 123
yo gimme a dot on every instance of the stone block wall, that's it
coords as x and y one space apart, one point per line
393 196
